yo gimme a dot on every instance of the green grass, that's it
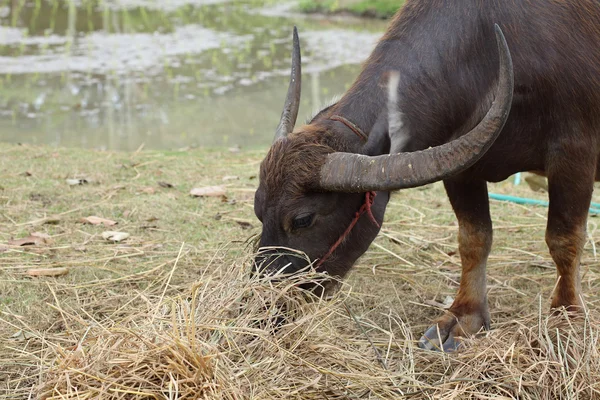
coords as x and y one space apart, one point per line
371 8
123 187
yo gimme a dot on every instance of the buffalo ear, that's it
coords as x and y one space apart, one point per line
379 139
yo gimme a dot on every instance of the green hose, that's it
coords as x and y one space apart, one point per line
595 209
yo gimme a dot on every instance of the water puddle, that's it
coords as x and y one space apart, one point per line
166 74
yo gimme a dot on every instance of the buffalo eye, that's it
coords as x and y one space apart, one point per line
302 221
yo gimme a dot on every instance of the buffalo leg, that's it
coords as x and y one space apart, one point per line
570 185
469 312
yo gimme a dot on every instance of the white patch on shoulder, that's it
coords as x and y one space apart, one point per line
398 134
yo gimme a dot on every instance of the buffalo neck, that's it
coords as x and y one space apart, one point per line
431 47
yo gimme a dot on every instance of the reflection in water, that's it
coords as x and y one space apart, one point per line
106 74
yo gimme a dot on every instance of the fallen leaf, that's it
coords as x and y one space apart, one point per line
77 351
446 304
22 336
47 272
448 301
208 191
98 221
26 173
149 190
34 239
54 220
41 235
115 236
39 197
165 185
78 181
230 178
244 224
434 303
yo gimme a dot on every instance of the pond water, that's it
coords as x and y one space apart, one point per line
165 74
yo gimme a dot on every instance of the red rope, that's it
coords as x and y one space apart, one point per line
353 127
365 208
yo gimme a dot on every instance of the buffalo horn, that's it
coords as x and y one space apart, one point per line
292 101
346 172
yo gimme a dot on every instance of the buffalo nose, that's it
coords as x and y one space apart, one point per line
268 262
276 262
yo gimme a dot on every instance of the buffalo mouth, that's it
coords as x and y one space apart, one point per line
294 274
278 264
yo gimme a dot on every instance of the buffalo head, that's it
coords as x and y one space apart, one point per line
321 202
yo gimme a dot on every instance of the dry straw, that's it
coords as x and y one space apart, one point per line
237 338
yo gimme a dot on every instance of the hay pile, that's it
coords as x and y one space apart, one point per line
234 338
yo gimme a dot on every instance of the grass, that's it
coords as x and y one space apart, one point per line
170 312
369 8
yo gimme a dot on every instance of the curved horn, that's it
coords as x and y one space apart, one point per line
292 101
345 172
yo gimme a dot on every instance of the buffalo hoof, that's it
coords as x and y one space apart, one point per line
447 333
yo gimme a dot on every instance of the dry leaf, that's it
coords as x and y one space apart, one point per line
78 181
448 301
35 239
22 336
165 185
244 224
47 271
54 220
41 235
98 221
208 191
230 178
115 236
149 190
446 304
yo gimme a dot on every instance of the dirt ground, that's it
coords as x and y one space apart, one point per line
177 241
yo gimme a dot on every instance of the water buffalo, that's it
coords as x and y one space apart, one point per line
439 100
